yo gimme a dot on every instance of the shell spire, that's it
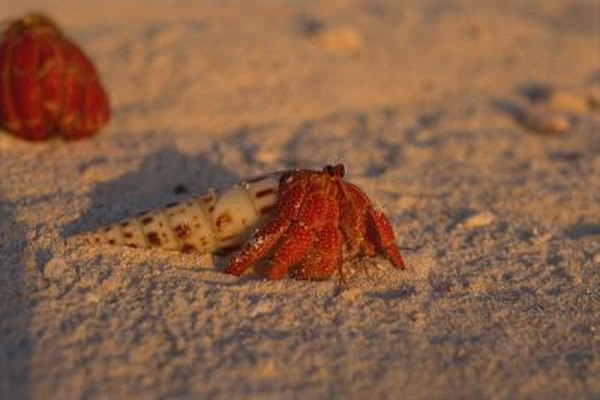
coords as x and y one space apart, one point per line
203 224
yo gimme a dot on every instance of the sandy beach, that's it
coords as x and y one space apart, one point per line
433 108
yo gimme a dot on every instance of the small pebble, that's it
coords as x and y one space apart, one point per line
593 98
57 269
181 189
98 173
267 155
262 307
477 220
340 40
567 102
544 120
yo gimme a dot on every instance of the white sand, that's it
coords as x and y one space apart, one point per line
502 295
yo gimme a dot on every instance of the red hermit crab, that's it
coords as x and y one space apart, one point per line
311 221
320 221
48 86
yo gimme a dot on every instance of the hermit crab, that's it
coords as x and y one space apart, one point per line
320 221
307 222
48 86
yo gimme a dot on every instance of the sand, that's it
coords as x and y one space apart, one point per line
423 102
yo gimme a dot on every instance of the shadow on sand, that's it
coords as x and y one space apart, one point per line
15 308
163 177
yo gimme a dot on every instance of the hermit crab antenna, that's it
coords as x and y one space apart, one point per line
285 177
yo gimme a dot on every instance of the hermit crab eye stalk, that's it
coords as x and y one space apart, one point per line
335 170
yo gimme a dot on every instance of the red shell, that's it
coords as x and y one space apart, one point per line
48 86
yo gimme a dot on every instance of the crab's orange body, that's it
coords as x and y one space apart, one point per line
320 222
48 86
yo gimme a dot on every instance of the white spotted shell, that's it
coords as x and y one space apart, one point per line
203 224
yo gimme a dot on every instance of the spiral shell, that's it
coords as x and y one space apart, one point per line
204 224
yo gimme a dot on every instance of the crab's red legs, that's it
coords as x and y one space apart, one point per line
288 208
317 217
353 220
308 214
324 257
386 239
367 228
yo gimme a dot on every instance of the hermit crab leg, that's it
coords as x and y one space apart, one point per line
294 247
287 210
385 235
322 259
352 222
317 207
257 247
